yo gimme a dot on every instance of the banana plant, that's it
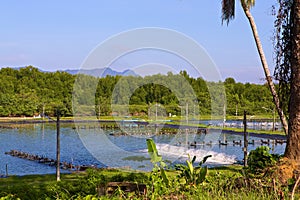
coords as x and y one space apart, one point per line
193 175
153 153
157 161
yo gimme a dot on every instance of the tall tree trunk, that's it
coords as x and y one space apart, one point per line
292 150
265 66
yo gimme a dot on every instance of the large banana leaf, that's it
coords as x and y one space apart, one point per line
204 159
202 175
152 151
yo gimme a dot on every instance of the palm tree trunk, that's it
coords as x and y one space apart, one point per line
265 66
292 150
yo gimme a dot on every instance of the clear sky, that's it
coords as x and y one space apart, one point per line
57 35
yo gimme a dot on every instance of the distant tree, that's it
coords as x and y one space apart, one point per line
30 91
229 81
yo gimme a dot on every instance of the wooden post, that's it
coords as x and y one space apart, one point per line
245 139
58 145
6 169
155 112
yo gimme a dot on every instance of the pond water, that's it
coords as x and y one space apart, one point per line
105 148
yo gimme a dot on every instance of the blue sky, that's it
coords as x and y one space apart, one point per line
58 35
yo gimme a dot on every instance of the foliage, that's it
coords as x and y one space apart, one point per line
161 184
222 183
28 91
9 197
260 158
158 177
193 175
87 184
283 50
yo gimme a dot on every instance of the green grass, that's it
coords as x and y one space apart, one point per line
251 130
220 184
31 184
31 180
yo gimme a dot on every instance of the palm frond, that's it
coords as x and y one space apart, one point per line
228 8
250 3
247 3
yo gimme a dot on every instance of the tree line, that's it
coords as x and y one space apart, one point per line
28 91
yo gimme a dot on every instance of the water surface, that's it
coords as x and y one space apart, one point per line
105 148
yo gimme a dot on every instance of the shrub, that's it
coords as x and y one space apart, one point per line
260 159
193 175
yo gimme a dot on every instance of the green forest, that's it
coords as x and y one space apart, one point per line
28 91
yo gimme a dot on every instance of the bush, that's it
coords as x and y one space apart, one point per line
260 159
9 197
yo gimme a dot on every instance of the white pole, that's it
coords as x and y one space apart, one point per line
187 113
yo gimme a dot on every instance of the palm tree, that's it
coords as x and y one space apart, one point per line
228 12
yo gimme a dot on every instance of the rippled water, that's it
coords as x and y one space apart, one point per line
102 148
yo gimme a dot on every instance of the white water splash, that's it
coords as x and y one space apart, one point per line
173 153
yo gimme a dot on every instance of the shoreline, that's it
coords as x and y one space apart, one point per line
31 120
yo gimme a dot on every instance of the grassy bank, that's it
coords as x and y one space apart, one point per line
221 183
175 118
